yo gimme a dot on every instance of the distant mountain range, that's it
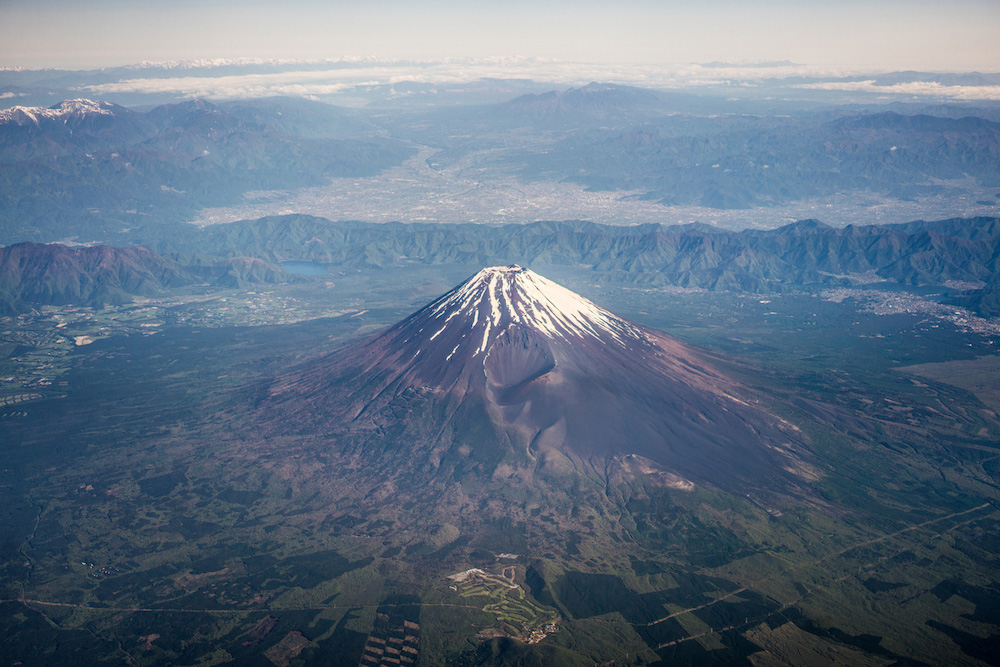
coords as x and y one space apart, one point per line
83 169
806 253
89 171
762 162
594 101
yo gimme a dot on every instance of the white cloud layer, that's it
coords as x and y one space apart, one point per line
327 81
916 88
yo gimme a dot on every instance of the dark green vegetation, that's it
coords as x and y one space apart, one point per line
974 375
147 520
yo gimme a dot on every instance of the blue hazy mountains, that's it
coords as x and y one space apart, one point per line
94 171
764 163
84 169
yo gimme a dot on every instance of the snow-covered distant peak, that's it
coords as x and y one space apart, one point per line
62 111
82 105
483 307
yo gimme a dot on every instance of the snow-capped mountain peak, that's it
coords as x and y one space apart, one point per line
62 111
484 306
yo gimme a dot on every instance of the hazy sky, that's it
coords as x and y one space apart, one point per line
953 35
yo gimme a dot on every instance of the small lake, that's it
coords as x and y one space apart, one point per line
304 268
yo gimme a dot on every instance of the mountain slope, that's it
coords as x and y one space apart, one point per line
96 275
34 274
512 369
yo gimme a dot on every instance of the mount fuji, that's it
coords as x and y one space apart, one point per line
511 371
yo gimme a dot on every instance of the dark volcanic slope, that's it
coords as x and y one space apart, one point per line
566 385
